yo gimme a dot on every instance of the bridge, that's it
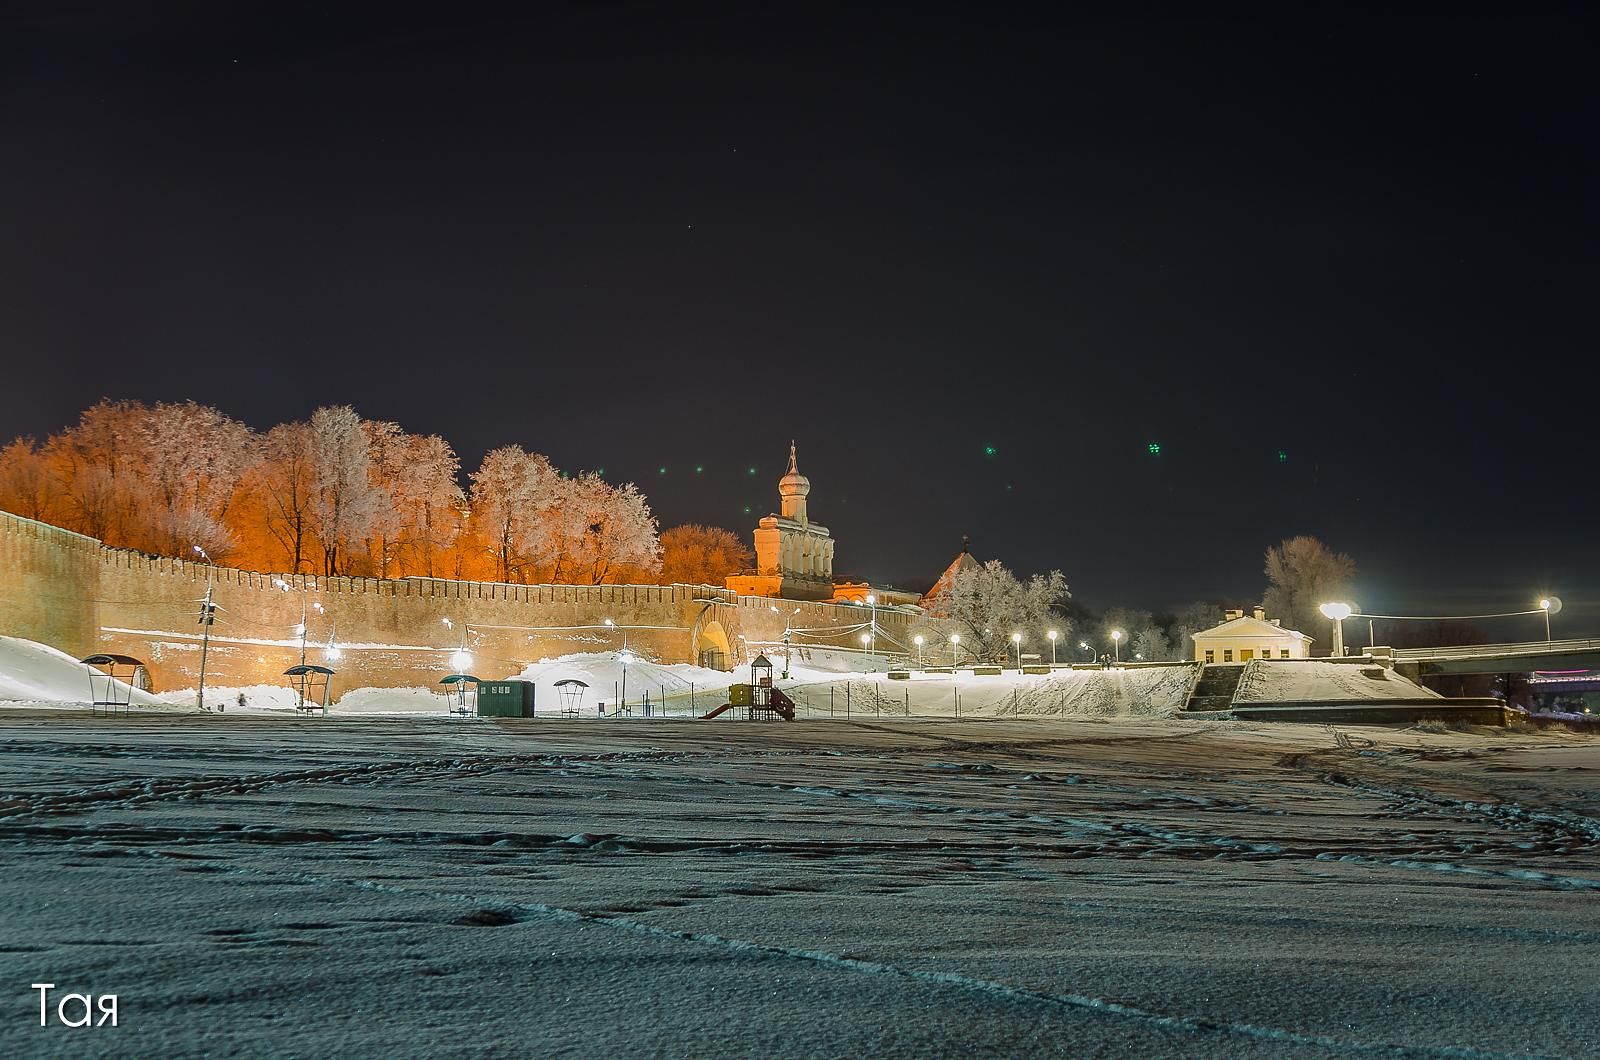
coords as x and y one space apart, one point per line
1498 658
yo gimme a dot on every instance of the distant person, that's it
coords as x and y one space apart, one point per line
241 700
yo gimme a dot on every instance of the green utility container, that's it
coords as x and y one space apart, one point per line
505 699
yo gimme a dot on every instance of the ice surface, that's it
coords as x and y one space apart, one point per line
257 885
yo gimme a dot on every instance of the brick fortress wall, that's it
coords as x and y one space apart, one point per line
72 592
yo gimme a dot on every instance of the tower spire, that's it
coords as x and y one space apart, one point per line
794 466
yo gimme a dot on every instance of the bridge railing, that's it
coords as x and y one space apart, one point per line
1481 651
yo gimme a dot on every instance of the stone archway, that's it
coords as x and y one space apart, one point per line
712 649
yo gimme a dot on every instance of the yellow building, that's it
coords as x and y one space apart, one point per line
1243 637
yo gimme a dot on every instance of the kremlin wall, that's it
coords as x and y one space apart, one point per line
74 593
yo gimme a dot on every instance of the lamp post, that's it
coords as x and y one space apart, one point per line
1052 635
300 629
208 614
872 602
1116 643
788 619
917 640
1544 605
866 639
1338 612
625 657
955 650
1016 640
1085 646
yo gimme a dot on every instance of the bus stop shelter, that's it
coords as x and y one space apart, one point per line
312 684
461 691
111 680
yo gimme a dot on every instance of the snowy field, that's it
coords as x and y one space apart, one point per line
415 886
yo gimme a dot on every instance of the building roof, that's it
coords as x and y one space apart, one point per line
1249 627
962 562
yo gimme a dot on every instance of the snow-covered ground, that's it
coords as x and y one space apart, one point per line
1300 680
1044 887
37 674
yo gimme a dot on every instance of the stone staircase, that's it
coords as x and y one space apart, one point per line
1214 690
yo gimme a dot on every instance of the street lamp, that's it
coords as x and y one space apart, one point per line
1338 612
787 628
866 639
1116 643
955 649
208 615
1052 635
1544 605
300 628
1085 646
917 640
1016 639
872 602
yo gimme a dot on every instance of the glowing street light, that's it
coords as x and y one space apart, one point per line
872 602
461 659
917 640
1052 635
1116 643
1085 646
1544 605
955 648
1337 611
1016 639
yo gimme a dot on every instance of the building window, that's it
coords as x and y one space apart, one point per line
1283 653
1211 655
1227 655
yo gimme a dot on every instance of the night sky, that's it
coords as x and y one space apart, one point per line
642 235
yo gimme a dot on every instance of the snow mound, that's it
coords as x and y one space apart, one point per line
38 674
602 672
1293 681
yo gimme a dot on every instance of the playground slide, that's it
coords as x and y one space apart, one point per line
719 710
782 705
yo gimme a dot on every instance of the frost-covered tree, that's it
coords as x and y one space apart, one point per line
702 555
514 493
1302 575
343 499
282 486
191 458
427 492
26 486
387 449
1142 636
602 528
1191 619
987 603
93 461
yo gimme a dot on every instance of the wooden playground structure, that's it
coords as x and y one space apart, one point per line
759 699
